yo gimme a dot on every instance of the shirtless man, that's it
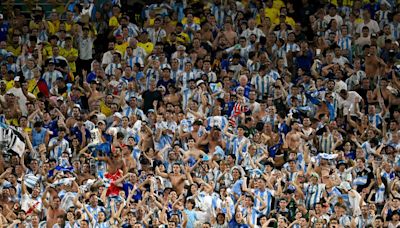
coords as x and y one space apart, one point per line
374 66
230 35
177 179
85 174
128 159
173 97
293 138
197 135
307 130
76 112
116 168
214 139
53 208
193 152
146 137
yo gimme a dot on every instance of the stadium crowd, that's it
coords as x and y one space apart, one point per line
200 113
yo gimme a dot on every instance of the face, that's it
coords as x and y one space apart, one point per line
176 169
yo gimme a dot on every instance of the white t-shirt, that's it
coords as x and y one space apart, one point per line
372 25
348 104
27 202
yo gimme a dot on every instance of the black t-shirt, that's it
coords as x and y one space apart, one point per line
364 173
148 98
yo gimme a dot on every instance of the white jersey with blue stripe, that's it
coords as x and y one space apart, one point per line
313 194
267 196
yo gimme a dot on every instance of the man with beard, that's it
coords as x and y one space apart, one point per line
31 203
120 44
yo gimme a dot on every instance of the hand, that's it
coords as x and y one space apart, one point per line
9 170
187 169
353 138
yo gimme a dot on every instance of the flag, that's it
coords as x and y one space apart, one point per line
11 139
237 110
43 88
30 180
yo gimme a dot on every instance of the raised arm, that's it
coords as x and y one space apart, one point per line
162 174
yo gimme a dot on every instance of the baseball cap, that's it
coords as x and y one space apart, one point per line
199 82
181 48
101 121
117 114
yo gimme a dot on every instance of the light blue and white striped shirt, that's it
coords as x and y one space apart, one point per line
313 194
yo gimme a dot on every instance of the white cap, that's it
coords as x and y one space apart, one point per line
181 47
117 114
199 82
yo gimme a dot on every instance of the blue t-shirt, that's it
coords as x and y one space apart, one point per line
91 77
234 224
3 31
127 186
77 132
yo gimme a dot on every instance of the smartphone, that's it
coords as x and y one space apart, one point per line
318 51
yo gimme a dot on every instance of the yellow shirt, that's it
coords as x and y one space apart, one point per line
12 122
51 28
33 25
151 21
68 27
104 109
121 48
55 24
183 38
113 22
16 51
278 4
32 88
272 13
47 51
148 47
288 21
71 53
196 20
27 130
9 85
348 2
